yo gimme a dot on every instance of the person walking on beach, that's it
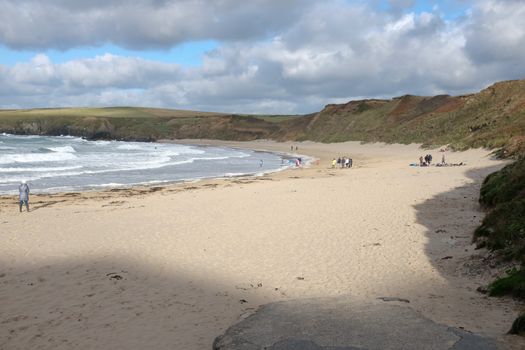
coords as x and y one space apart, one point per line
23 191
334 162
261 162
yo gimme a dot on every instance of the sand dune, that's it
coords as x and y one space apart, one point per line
173 267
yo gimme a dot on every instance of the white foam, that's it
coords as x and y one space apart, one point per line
130 147
35 157
18 169
234 174
179 150
63 149
34 177
111 184
101 143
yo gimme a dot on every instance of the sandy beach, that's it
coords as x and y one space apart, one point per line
172 267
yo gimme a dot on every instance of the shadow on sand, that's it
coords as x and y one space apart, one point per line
112 303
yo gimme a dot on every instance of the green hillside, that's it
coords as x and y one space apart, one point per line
493 118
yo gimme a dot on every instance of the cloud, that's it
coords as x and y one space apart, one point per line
140 24
398 6
328 51
496 33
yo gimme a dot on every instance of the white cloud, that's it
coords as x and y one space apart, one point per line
331 51
496 32
139 24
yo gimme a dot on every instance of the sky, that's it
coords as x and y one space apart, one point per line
252 56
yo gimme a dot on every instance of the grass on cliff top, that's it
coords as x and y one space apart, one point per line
106 112
273 118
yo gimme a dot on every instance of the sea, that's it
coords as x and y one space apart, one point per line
63 163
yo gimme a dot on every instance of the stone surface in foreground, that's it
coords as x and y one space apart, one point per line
336 324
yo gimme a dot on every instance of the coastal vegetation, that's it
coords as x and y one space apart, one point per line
503 230
493 118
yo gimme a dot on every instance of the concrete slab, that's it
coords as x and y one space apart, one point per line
337 324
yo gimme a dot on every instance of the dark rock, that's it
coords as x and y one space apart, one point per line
482 289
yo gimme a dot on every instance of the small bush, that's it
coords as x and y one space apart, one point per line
518 327
512 284
504 185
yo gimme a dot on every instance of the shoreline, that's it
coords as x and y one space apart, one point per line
163 183
191 259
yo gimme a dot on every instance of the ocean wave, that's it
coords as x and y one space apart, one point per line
131 147
35 157
36 169
63 149
180 150
35 177
234 174
54 174
110 184
67 163
190 150
70 138
101 143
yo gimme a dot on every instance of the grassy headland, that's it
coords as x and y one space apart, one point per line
493 118
131 123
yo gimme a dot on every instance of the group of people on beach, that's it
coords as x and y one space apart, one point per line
427 160
343 162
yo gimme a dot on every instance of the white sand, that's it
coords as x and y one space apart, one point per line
194 258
